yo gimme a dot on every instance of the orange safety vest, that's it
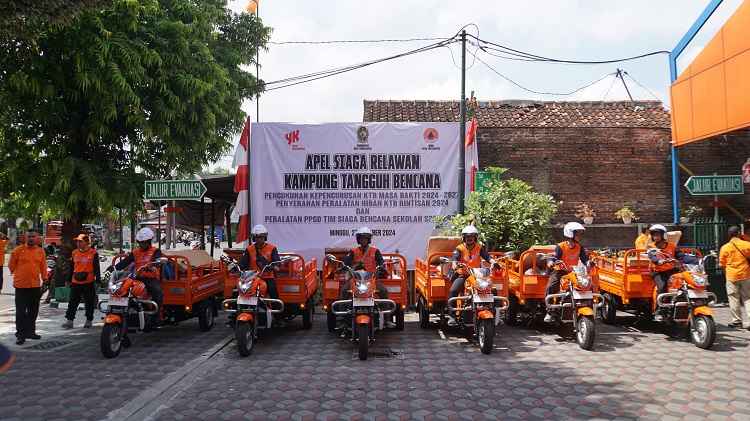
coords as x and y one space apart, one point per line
670 250
252 252
83 261
142 258
471 257
367 258
570 255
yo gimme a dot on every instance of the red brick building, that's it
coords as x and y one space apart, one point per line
607 154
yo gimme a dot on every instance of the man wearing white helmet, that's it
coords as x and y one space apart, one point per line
144 254
470 252
663 257
259 254
571 252
368 257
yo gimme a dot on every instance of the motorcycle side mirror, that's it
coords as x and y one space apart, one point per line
330 258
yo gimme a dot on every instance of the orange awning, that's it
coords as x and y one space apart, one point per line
712 95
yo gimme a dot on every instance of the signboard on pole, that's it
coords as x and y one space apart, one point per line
174 189
481 178
314 185
714 185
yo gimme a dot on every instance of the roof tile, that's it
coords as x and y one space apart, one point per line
522 113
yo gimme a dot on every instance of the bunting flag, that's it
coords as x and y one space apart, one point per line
472 155
240 213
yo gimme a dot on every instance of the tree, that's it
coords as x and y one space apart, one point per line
510 215
26 18
141 89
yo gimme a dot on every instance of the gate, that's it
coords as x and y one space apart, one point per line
709 235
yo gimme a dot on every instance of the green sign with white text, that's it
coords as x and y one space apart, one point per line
715 185
174 190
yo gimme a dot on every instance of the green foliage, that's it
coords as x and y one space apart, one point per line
28 18
510 215
141 89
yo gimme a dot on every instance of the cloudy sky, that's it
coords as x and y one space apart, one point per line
566 29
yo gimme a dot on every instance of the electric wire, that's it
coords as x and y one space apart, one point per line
641 85
296 80
614 79
524 54
357 41
539 92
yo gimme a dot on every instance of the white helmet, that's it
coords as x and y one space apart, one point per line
144 234
470 230
259 230
363 231
658 227
569 231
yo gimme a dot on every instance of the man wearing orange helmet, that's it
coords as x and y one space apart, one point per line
86 272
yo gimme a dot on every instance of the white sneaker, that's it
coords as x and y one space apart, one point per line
658 318
548 318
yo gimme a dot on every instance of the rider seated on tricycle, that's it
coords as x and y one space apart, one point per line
567 255
663 256
258 255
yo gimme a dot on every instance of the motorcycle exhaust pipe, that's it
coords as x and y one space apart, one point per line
141 319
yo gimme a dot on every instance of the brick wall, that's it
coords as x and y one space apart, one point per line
721 155
604 167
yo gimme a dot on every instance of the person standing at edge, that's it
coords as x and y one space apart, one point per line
85 264
3 244
29 267
733 257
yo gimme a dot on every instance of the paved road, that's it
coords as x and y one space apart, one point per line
181 373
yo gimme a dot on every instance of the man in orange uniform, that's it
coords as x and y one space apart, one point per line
570 252
470 252
641 243
368 257
734 257
259 254
663 257
29 268
3 244
142 256
85 264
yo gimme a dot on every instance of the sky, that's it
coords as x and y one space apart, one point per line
565 29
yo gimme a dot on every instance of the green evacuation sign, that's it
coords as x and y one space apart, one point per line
174 189
710 185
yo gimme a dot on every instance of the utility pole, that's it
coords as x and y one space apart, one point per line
257 69
619 74
462 128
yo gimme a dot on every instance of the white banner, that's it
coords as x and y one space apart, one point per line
313 185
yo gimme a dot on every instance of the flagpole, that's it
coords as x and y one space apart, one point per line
249 134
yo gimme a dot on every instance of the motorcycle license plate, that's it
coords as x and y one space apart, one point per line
364 302
696 294
483 298
247 301
118 301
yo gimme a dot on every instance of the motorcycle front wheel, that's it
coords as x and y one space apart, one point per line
245 335
363 335
111 340
486 334
585 332
703 331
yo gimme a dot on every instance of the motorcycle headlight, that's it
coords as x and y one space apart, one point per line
245 285
114 286
700 280
483 283
362 286
583 281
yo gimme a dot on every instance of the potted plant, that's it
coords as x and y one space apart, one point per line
690 213
626 214
586 213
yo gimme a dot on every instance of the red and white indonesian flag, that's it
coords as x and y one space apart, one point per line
240 213
472 155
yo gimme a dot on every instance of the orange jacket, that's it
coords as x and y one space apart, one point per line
571 255
473 257
3 244
670 250
28 265
367 258
733 258
266 251
84 261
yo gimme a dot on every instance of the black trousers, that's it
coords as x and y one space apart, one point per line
153 286
78 292
27 309
1 274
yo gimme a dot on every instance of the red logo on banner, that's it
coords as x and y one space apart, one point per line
430 135
292 137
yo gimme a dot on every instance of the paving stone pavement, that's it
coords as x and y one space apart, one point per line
635 372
